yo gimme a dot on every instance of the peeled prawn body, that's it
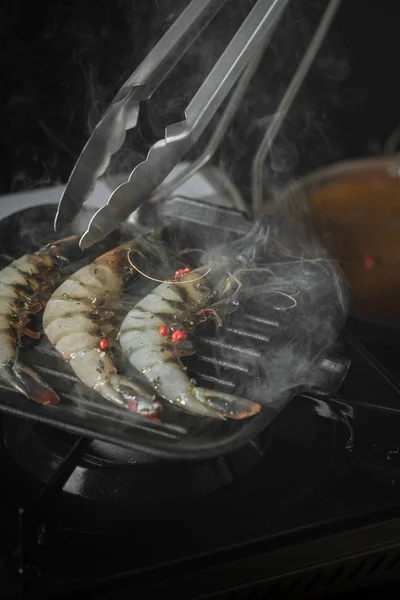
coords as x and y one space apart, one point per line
25 286
79 321
153 352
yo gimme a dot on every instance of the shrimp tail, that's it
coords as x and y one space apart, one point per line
23 379
196 405
130 394
226 405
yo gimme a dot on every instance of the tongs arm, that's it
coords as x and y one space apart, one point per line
165 154
122 114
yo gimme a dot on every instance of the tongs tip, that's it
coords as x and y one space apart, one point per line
101 224
88 239
67 210
60 220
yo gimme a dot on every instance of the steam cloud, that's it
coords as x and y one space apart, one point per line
296 296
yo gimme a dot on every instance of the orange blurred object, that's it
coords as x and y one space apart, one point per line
355 208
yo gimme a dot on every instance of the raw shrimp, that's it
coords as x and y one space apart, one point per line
79 321
25 286
152 337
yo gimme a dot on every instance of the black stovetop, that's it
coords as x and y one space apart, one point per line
324 467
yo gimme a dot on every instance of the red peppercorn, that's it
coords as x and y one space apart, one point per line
163 330
103 344
179 335
181 272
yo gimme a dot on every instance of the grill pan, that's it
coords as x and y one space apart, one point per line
179 436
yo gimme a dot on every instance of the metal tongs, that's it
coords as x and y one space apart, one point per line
122 114
239 60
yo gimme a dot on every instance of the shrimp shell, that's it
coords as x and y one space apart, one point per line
25 286
81 313
157 357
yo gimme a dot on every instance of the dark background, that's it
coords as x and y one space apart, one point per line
62 61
